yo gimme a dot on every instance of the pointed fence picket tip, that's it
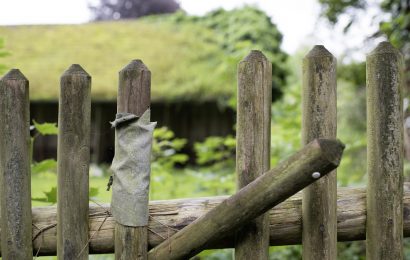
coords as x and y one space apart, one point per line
385 47
255 55
14 74
136 64
75 69
319 51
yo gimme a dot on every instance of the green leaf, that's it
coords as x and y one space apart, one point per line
93 192
50 196
49 165
46 128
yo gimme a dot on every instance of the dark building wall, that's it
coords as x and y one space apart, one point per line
193 121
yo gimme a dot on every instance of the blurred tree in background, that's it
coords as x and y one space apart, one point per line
240 30
394 24
127 9
393 20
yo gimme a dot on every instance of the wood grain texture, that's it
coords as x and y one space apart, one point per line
319 121
15 191
170 216
134 90
384 153
256 198
134 96
73 156
253 146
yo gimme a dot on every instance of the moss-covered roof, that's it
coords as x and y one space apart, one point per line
184 60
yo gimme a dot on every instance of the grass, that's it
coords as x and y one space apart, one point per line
185 60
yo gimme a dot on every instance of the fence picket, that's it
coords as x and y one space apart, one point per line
134 96
319 236
16 219
384 226
253 146
74 120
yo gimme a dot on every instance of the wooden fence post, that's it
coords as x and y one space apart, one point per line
384 228
134 96
319 236
16 220
73 153
253 146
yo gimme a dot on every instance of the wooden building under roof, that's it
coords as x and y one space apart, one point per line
190 84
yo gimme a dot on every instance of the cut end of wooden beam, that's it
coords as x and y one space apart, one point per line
255 55
135 65
14 74
332 149
384 48
77 70
319 51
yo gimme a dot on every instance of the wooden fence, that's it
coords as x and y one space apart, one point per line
262 213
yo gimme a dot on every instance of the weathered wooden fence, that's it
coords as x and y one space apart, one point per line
262 213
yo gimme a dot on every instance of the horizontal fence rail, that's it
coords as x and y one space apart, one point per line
169 216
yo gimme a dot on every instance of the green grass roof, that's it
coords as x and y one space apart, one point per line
185 62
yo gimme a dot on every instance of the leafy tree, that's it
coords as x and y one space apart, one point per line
126 9
240 30
394 21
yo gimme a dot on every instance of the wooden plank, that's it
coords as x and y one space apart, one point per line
15 191
73 153
319 121
170 216
384 153
273 187
134 96
253 146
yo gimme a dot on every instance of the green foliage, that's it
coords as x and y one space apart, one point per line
285 252
331 9
397 27
51 196
48 167
45 166
351 250
3 53
394 19
166 149
216 151
46 128
239 31
354 73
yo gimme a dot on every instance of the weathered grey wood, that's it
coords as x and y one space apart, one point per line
15 186
139 248
268 190
253 146
319 121
73 156
170 216
134 96
134 90
384 153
